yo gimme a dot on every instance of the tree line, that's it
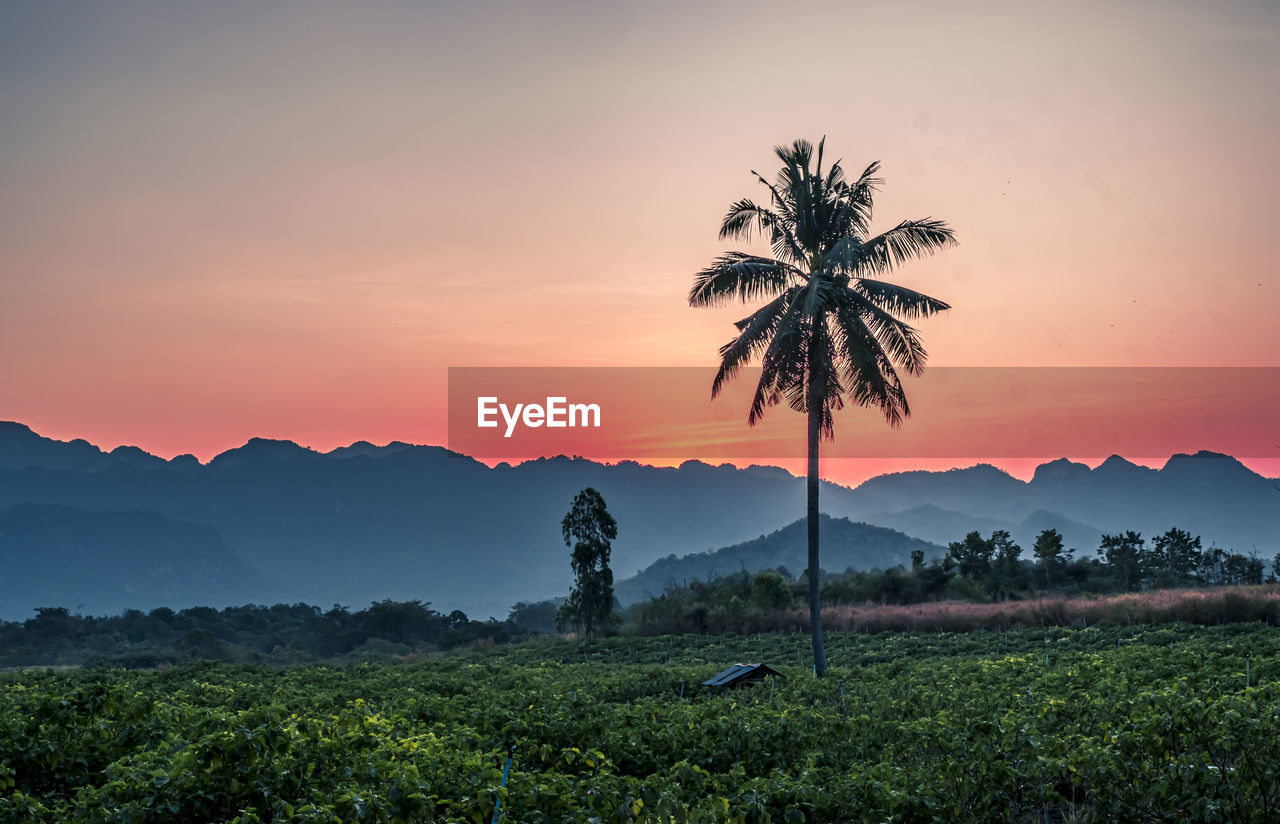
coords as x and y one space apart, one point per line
974 569
283 633
1125 562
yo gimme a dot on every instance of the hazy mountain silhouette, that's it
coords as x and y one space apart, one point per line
366 522
942 526
845 545
1075 535
100 563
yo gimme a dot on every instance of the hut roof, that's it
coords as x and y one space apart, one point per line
739 673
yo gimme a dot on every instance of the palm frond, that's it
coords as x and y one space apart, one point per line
819 382
782 365
868 369
756 332
743 215
739 219
852 215
739 276
867 181
819 295
909 239
898 300
783 239
900 340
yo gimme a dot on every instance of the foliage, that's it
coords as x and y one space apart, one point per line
1088 725
1049 554
972 555
769 591
589 529
281 633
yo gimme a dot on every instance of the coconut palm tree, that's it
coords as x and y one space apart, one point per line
832 328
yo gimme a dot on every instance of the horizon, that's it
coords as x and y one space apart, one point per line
847 472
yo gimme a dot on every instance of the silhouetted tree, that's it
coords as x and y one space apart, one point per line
1048 552
1126 557
972 556
539 616
1240 569
589 529
935 576
831 328
1176 557
1007 577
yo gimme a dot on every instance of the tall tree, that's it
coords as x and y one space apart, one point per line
1048 551
1177 556
589 530
832 328
1006 565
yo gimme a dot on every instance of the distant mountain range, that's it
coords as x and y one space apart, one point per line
273 521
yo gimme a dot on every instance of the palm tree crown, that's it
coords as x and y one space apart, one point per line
830 317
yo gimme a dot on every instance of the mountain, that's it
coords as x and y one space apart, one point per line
366 522
1207 493
980 491
845 545
940 526
20 447
111 561
1075 535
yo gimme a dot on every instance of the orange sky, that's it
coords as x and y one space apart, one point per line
288 220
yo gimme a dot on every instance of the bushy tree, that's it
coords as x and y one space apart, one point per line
1177 557
972 555
1126 558
1007 576
770 591
589 530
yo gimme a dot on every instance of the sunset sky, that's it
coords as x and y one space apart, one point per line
226 220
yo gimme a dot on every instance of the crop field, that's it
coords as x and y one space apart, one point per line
1101 724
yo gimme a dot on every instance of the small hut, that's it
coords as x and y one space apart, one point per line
740 675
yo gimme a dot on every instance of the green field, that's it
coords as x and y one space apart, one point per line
1098 724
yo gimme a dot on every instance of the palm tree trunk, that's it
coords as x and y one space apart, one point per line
815 602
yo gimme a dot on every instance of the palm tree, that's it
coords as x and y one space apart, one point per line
832 328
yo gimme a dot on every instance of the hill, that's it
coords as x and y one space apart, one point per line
845 545
100 563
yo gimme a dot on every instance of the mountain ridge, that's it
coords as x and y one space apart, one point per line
403 521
